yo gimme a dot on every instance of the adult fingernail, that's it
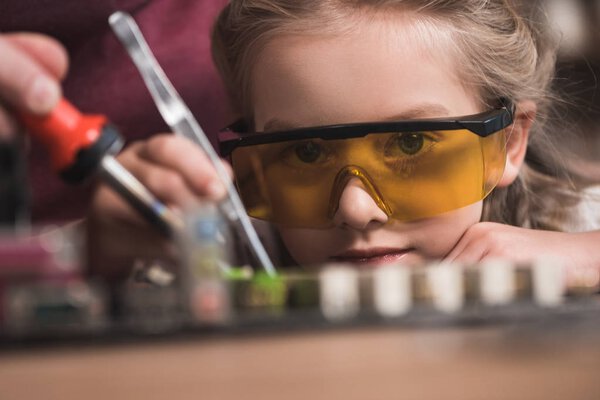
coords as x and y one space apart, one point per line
43 95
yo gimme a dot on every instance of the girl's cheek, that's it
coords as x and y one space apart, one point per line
306 247
432 238
437 236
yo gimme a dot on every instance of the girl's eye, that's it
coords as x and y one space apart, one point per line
308 152
303 155
409 144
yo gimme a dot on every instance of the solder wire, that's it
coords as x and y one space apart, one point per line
180 119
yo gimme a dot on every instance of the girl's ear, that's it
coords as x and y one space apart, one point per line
517 136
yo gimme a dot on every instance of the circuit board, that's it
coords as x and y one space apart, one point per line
337 296
45 293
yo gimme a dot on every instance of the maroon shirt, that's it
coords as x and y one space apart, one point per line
102 79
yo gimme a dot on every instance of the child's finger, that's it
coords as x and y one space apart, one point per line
185 157
467 251
108 205
166 184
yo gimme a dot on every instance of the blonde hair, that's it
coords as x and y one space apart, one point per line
506 51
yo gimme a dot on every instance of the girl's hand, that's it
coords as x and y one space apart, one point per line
487 240
177 172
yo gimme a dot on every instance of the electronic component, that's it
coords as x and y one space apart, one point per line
54 308
206 249
335 294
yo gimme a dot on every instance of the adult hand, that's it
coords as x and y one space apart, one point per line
178 173
31 68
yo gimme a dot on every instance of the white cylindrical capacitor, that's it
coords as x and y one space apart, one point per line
497 282
339 292
392 293
549 281
447 287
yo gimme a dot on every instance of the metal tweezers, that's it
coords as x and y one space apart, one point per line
180 119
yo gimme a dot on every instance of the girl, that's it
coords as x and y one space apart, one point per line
383 130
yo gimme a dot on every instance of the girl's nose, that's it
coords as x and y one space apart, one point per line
357 209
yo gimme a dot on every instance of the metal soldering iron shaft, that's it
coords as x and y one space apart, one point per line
138 196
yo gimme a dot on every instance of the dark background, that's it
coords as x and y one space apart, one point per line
577 22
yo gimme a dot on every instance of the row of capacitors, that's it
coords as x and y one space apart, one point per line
393 290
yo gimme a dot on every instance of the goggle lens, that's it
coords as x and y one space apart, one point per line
410 175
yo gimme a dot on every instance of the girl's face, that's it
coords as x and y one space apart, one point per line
377 72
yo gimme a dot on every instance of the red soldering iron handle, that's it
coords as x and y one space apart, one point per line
76 142
79 146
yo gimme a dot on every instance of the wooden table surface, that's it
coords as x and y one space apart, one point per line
368 363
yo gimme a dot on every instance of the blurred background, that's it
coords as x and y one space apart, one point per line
577 23
547 359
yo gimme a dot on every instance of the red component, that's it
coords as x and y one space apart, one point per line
64 132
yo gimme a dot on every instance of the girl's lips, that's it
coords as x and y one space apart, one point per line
371 256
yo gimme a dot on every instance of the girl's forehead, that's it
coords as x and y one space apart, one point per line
402 34
378 69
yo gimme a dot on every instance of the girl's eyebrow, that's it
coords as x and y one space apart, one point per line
425 110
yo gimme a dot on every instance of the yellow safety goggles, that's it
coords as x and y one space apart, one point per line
412 169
